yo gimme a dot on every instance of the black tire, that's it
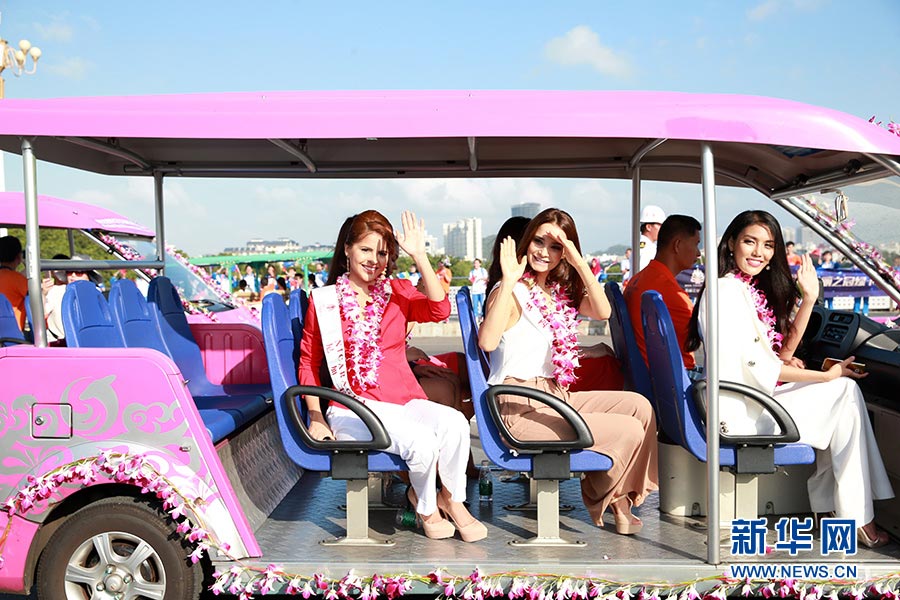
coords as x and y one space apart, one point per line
114 528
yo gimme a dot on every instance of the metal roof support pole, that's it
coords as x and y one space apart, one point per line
160 220
33 245
887 162
711 350
635 220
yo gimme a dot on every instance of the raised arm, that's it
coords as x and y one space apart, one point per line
808 282
594 304
412 241
501 305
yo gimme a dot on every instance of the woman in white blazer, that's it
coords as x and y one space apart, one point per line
763 313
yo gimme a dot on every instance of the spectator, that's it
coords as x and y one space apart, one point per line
54 288
266 286
478 278
827 261
13 284
677 250
793 259
445 275
413 275
293 281
321 275
243 293
250 278
651 220
625 266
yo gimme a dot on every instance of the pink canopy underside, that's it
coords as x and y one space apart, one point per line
415 114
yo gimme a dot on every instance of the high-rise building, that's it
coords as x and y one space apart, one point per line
463 239
529 210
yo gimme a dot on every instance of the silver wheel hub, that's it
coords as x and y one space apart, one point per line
115 565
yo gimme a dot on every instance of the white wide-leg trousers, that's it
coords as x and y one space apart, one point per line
428 436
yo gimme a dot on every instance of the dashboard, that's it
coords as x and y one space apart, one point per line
839 334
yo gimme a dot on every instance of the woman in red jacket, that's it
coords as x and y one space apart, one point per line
357 324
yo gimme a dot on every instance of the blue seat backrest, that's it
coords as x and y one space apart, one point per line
9 326
677 414
87 320
281 349
134 317
298 302
176 334
637 378
491 441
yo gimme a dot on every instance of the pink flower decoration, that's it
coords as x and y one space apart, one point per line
364 356
562 321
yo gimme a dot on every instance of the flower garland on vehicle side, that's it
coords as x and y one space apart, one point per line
891 126
245 581
763 310
562 319
365 354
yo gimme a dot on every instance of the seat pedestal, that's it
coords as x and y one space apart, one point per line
682 488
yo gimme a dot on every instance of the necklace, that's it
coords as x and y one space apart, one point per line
561 319
763 311
364 356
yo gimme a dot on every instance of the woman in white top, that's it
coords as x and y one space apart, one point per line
763 313
530 331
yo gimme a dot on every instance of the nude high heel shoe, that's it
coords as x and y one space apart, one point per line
625 524
437 530
472 532
881 538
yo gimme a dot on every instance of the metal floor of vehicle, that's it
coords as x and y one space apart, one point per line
669 549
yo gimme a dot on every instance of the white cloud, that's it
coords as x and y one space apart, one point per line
56 30
73 67
763 10
581 46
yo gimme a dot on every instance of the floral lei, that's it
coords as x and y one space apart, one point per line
562 319
763 311
365 330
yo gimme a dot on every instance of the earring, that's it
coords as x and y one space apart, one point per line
768 267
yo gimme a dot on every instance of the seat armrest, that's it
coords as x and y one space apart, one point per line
380 438
583 437
10 340
789 433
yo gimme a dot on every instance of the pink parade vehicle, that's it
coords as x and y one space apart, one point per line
139 463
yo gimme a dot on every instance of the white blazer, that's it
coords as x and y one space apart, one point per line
745 356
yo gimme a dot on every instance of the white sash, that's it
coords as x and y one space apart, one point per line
328 315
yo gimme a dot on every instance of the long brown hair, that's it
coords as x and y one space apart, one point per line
354 229
563 273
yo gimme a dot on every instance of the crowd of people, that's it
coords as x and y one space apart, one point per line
537 284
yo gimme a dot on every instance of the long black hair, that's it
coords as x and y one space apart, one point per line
775 281
513 227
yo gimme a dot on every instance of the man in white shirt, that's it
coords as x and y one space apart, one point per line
652 218
478 278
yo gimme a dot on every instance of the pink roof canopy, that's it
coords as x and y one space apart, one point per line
67 214
767 143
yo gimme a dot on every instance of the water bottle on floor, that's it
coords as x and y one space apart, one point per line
406 517
485 483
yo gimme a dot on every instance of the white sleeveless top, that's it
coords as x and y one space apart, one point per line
524 350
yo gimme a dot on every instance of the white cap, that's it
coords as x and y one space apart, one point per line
652 214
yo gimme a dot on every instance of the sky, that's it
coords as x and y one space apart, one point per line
823 52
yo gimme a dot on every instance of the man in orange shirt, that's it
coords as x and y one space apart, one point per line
13 284
678 247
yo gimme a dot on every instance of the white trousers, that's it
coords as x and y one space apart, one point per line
850 474
428 436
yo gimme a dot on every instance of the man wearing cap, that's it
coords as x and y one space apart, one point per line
13 284
651 220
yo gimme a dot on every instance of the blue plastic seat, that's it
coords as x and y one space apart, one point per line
87 320
10 334
347 460
88 323
136 320
168 315
547 461
681 414
637 378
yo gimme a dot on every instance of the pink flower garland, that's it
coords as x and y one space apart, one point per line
562 320
763 311
365 330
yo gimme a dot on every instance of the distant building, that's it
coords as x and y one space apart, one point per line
463 239
789 234
278 246
529 210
